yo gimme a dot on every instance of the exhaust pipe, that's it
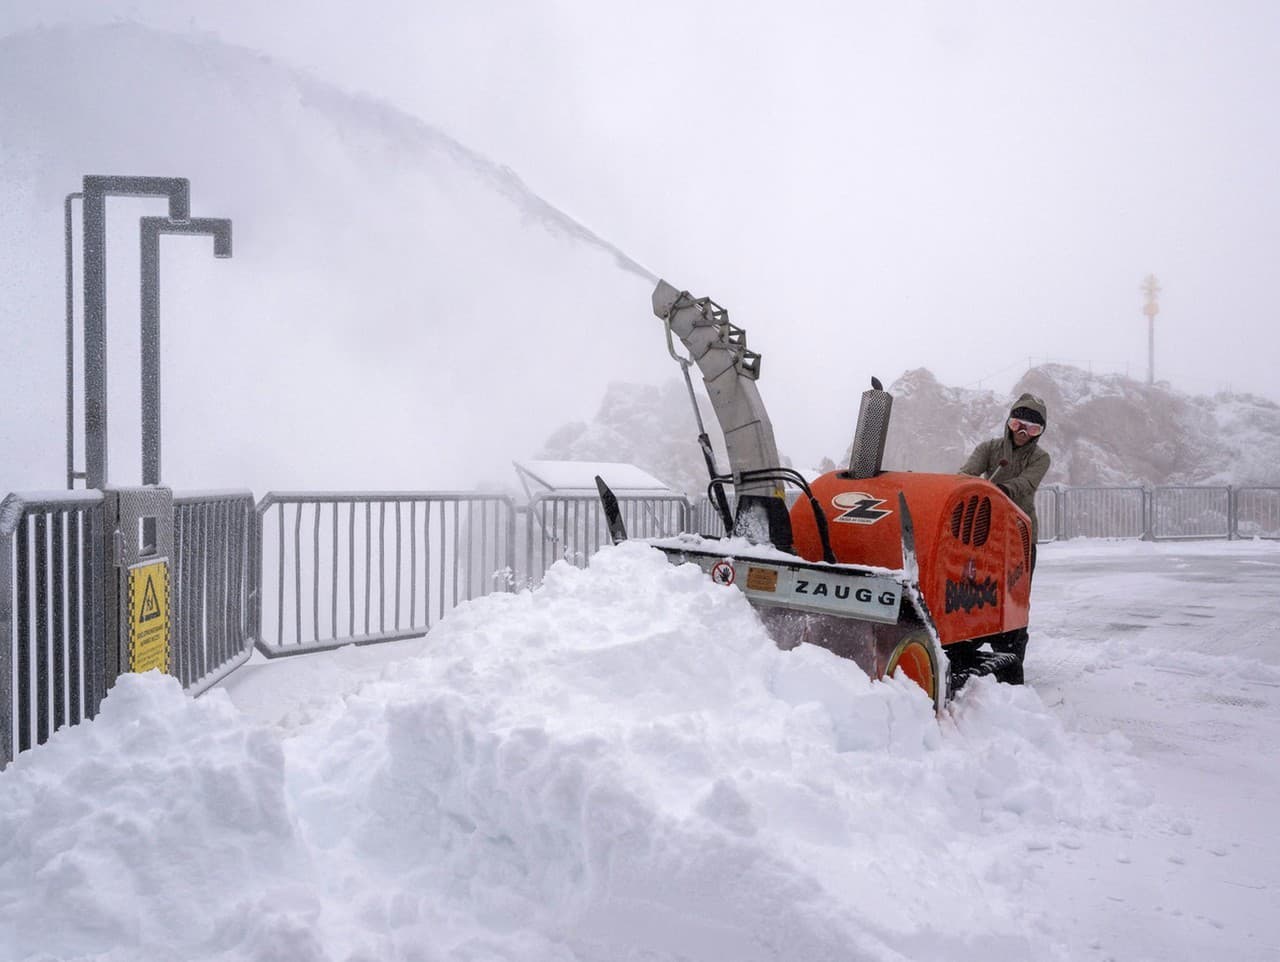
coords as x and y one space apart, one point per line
867 454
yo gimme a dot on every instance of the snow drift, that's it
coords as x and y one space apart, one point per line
617 765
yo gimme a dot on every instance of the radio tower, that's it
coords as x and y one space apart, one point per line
1151 288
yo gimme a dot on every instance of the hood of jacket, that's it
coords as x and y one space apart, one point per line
1031 402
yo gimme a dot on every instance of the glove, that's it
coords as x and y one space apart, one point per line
1004 489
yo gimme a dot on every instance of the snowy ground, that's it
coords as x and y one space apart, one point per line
620 766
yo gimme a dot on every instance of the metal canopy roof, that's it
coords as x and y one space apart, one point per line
563 477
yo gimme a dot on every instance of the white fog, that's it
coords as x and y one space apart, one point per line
868 191
448 222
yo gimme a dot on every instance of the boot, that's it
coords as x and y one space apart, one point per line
1014 642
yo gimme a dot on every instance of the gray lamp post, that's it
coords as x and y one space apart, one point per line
96 190
219 228
67 224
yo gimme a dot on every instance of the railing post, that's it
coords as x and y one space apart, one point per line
1148 513
106 595
9 504
512 548
253 577
528 539
1232 532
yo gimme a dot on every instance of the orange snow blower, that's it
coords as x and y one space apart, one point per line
898 571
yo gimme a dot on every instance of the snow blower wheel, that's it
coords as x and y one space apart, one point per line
914 657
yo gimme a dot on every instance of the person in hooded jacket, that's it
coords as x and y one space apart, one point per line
1015 463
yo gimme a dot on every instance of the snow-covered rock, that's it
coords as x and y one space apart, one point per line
649 426
1103 429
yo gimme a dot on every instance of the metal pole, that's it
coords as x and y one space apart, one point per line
71 340
96 190
93 213
150 230
11 509
1232 513
150 342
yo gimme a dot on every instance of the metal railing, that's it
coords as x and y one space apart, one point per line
1049 513
212 534
306 571
1104 512
1255 512
1183 512
1169 512
705 518
1163 513
343 568
572 527
52 666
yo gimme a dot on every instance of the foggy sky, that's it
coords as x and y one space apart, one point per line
867 187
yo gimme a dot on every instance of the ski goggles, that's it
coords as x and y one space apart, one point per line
1033 429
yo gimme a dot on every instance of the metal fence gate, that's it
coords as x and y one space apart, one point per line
1184 512
1256 512
572 527
1104 512
52 625
212 544
343 568
94 583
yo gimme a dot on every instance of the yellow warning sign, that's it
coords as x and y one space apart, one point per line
149 616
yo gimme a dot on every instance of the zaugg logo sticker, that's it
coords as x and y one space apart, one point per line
808 586
858 507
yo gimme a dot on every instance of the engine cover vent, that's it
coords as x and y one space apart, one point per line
970 521
982 523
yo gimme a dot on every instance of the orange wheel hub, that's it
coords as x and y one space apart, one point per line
914 659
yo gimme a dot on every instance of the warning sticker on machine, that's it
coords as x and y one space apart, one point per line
723 573
149 616
762 579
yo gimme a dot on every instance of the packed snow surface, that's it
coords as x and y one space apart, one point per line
620 765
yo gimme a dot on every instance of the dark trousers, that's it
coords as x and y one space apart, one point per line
1015 641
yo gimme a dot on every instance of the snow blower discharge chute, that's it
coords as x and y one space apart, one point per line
898 571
